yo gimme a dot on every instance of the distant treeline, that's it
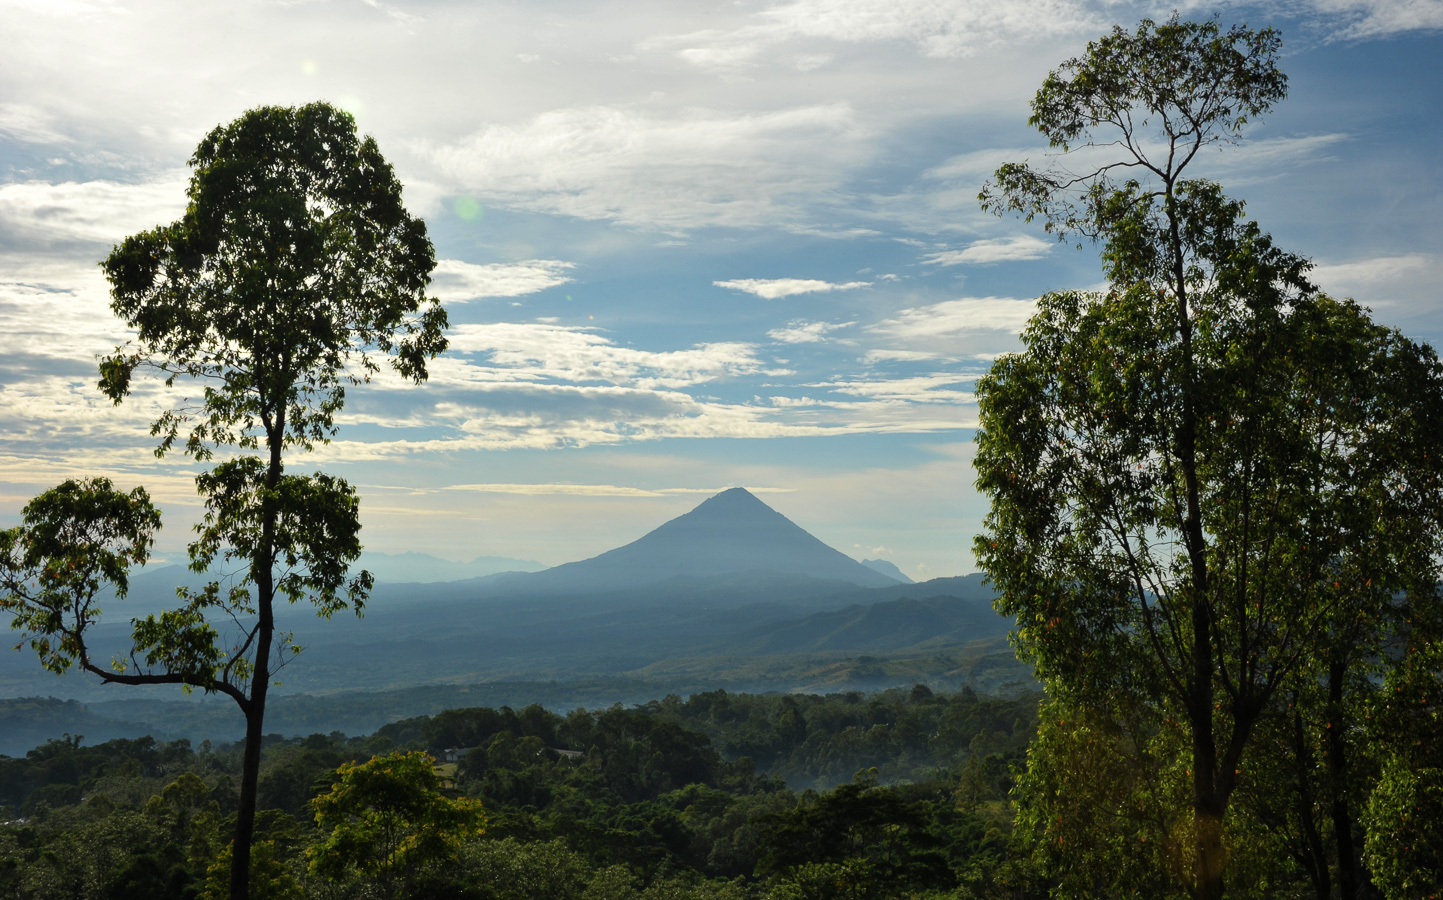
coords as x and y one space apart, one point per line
721 795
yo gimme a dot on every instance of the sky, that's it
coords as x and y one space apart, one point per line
683 246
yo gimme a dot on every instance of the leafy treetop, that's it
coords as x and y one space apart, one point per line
294 265
1144 103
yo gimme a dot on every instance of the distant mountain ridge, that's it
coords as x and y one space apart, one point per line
732 592
888 568
730 534
423 568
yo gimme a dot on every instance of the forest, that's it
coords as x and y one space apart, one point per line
895 794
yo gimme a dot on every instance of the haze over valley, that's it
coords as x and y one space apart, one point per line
731 594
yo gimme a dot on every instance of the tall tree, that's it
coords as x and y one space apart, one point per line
295 268
1182 468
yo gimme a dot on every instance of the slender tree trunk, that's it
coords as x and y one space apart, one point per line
1209 801
245 820
1338 780
1208 808
1317 855
263 573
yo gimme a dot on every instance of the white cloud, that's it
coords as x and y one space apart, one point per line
798 332
93 211
1008 249
1394 286
56 309
675 172
1252 161
967 314
887 355
936 29
776 288
933 388
977 166
29 125
454 281
1364 19
577 354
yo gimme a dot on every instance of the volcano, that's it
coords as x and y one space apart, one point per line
730 534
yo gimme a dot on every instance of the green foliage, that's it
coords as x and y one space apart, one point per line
294 268
1216 494
153 816
388 818
1405 832
859 840
1404 816
294 265
1156 97
1103 806
73 540
270 879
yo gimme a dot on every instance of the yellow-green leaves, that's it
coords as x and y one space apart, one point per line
388 817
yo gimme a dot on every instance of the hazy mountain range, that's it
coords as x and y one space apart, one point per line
732 593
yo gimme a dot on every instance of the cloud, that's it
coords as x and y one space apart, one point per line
798 332
941 30
1252 161
55 309
776 288
1246 162
936 387
887 355
90 211
967 314
674 172
29 125
1397 286
1008 249
539 350
455 281
1366 19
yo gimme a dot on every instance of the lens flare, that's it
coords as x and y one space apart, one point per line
467 208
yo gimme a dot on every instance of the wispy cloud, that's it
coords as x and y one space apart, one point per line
1366 19
22 122
776 288
934 29
991 250
799 332
966 314
676 172
90 211
939 387
455 281
1393 283
579 355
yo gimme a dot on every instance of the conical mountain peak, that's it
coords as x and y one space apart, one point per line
731 533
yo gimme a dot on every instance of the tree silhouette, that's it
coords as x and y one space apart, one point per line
293 271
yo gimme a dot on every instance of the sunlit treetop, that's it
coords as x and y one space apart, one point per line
293 269
1138 107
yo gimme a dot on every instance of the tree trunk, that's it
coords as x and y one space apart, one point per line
263 574
1338 781
1317 855
245 820
1208 808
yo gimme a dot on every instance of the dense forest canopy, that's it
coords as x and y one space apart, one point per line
721 795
